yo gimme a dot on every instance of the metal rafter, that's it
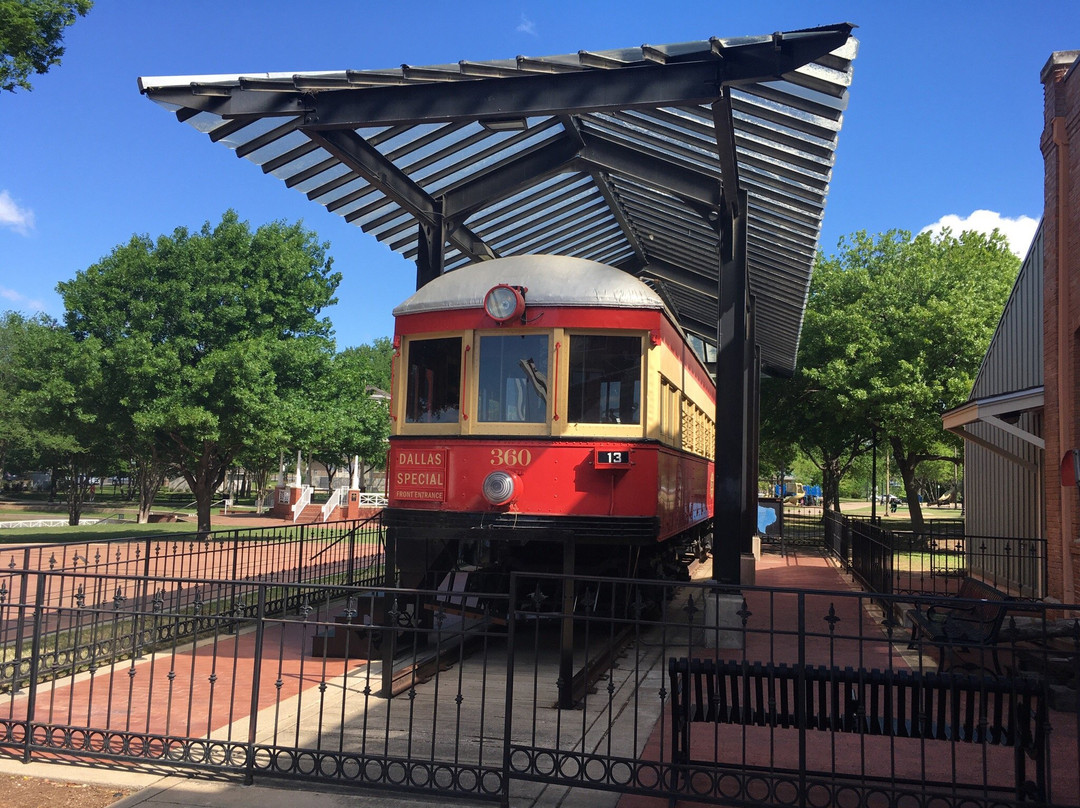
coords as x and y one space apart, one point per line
366 161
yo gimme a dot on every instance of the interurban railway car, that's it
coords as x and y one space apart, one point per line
546 408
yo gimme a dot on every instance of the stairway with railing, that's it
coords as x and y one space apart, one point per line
303 502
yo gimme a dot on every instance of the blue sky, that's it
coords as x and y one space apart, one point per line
944 119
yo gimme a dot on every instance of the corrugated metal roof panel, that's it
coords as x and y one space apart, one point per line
627 171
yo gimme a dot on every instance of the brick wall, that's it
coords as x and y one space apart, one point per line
1060 145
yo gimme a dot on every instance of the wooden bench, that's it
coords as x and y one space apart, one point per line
951 707
970 619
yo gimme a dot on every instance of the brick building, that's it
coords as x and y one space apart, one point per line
1060 144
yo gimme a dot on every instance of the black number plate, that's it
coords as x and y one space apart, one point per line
613 457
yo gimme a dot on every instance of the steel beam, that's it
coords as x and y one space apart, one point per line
724 127
529 94
600 153
366 161
485 188
695 282
525 96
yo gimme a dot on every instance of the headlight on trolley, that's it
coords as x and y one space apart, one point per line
501 487
503 302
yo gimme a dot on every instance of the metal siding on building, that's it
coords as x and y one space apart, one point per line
1003 498
1014 360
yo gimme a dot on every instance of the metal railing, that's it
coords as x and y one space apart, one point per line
934 561
347 552
305 500
456 690
331 503
372 500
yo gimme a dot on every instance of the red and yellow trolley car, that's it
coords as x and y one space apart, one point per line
545 399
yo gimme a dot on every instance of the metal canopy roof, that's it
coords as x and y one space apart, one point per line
618 156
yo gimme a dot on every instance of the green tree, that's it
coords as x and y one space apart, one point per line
351 419
894 333
50 387
211 333
31 37
15 334
798 413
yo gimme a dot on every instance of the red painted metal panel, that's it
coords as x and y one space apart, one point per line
558 478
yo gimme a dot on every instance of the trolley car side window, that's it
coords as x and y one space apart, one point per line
513 379
605 379
434 384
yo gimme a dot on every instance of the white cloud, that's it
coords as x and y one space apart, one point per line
526 26
21 301
1019 231
21 220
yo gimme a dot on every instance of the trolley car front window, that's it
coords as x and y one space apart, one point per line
434 384
513 379
605 380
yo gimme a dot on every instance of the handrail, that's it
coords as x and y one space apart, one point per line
303 502
465 384
213 504
332 502
373 500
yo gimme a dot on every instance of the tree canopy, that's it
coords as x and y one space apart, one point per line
351 422
205 338
894 333
32 35
49 388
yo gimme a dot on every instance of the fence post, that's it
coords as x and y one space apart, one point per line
235 573
389 599
350 561
508 706
20 636
300 557
35 653
256 675
141 603
801 718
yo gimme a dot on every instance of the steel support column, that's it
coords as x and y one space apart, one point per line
753 413
732 429
431 247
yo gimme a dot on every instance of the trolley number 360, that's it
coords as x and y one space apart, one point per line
511 457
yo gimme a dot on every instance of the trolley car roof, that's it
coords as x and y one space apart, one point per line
551 280
617 156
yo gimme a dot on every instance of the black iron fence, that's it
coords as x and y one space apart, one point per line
803 526
751 696
934 561
188 577
304 551
790 526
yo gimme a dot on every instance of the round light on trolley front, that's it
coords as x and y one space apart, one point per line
504 302
500 487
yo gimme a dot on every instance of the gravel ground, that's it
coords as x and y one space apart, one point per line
20 791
